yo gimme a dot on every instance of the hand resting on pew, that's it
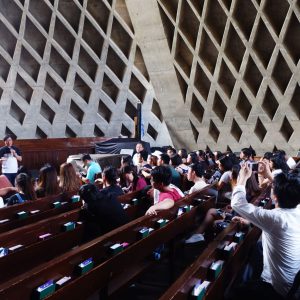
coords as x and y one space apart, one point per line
165 204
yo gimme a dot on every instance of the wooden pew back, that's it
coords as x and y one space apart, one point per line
181 288
106 266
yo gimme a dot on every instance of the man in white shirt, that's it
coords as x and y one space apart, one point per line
280 235
140 153
10 156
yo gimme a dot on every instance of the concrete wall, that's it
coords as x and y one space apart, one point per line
217 73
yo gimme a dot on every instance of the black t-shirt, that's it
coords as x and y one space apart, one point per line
107 211
6 150
14 199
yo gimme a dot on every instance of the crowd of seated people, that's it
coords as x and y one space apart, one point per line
236 180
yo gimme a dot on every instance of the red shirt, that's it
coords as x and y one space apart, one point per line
173 194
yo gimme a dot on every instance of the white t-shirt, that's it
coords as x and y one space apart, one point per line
199 185
226 177
280 239
10 164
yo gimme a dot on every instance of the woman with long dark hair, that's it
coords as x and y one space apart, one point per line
130 181
25 190
69 181
47 183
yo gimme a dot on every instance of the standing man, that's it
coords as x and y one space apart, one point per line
93 168
10 156
140 152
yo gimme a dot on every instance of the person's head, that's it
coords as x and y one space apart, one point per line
171 151
88 193
218 155
253 153
161 177
126 161
209 155
176 160
48 180
277 162
282 154
86 159
267 156
195 171
24 184
235 172
152 160
127 175
139 147
68 180
201 154
163 159
252 186
192 158
183 153
8 140
245 154
225 163
110 175
233 158
286 189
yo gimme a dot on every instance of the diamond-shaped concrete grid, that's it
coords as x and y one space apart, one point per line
215 19
260 130
281 73
263 43
244 14
152 132
194 131
276 11
75 80
292 38
242 83
286 129
270 104
236 131
4 68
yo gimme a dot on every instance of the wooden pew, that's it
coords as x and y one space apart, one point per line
106 266
182 287
36 251
43 206
55 151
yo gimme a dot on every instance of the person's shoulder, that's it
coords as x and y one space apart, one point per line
12 200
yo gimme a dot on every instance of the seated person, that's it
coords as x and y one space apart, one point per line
6 188
105 212
215 216
168 195
25 190
280 237
195 174
130 181
171 151
47 183
183 154
164 159
176 163
146 169
93 168
69 181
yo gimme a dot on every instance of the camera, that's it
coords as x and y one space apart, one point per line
254 166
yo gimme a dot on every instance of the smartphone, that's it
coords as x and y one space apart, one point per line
254 166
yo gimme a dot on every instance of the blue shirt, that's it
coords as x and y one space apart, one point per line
92 170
